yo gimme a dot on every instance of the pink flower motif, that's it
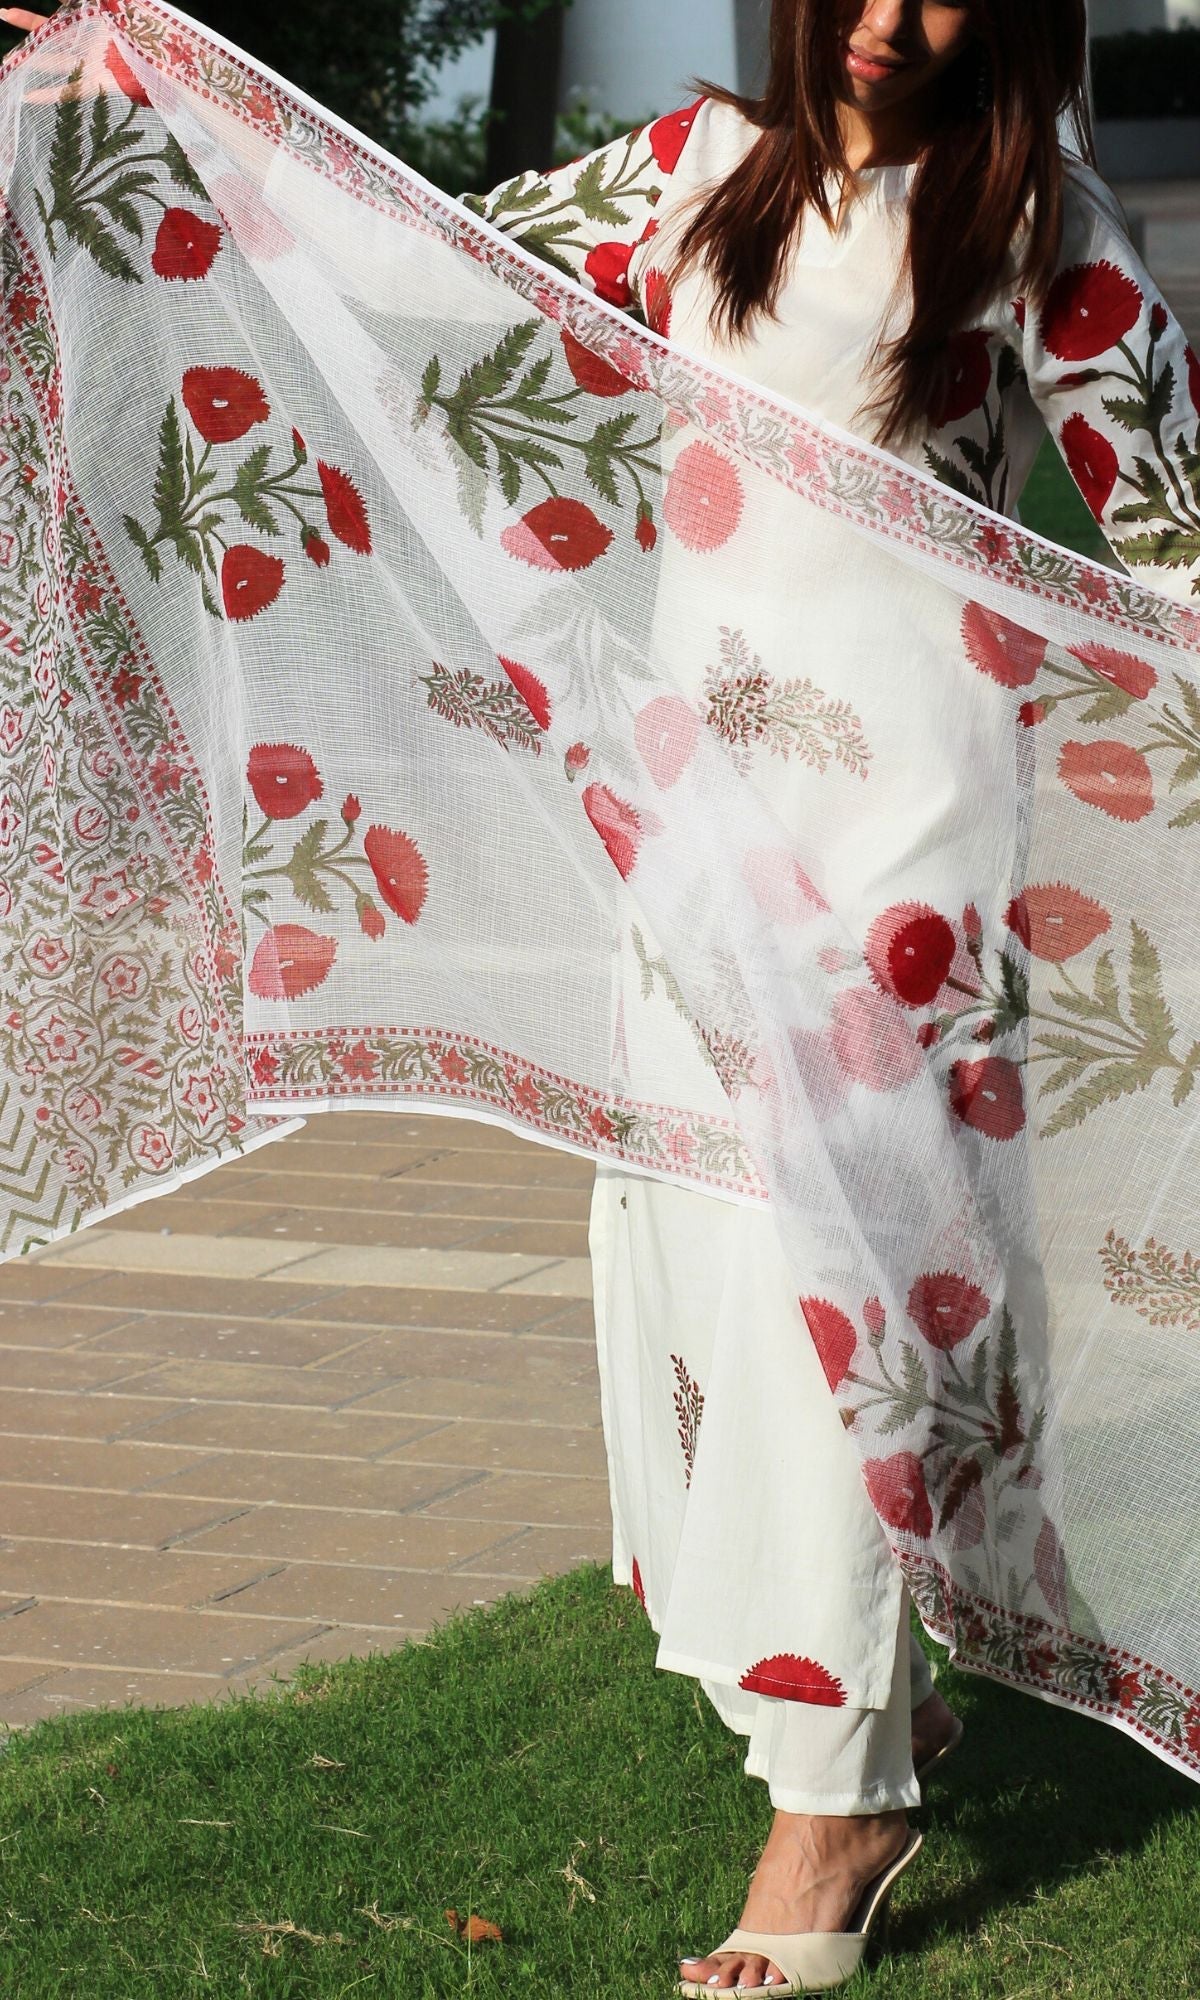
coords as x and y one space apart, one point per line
10 823
265 1068
703 501
151 1145
780 886
526 1095
84 1107
61 1040
946 1308
358 1064
124 978
1110 775
833 1336
909 951
453 1066
108 895
898 1493
681 1146
49 954
665 733
12 729
199 1099
870 1040
619 825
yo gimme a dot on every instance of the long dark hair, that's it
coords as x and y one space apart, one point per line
988 186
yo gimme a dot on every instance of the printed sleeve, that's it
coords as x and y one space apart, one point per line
587 219
1118 385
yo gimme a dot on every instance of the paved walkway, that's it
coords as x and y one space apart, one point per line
300 1409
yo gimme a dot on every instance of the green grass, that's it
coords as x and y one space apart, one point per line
529 1764
1052 505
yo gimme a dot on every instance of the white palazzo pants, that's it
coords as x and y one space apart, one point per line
739 1512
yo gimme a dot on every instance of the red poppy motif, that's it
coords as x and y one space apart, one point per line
946 1308
897 1491
987 1096
657 295
669 135
665 733
788 1677
185 245
1088 309
1092 462
371 920
618 824
1007 652
639 1588
345 509
870 1041
608 268
703 501
645 534
1109 775
399 870
909 951
558 534
285 781
289 961
1056 922
119 70
223 403
250 580
591 371
967 380
833 1336
1132 676
317 550
531 690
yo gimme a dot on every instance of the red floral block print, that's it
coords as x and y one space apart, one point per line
987 1096
657 294
909 951
666 733
619 825
1109 775
608 268
1056 922
669 135
591 371
284 779
638 1587
1134 677
186 245
289 961
250 580
531 690
558 534
870 1041
968 378
1092 461
1088 309
788 1677
946 1308
122 75
898 1493
223 403
345 509
703 501
1193 375
1007 652
833 1336
399 869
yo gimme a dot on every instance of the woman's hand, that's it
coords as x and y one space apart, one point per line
92 80
20 17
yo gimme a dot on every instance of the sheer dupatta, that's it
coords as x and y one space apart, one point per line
392 636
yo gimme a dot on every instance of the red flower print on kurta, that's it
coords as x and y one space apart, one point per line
898 1493
637 1586
968 378
591 371
558 534
345 509
657 295
870 1040
531 690
223 403
703 501
399 869
666 732
909 951
946 1308
788 1677
284 779
833 1336
185 246
669 135
119 70
250 580
290 960
1193 375
1055 921
608 268
1109 775
987 1096
1092 462
1133 676
1007 652
618 824
1088 309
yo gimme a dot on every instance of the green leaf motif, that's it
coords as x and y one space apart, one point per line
1106 1084
251 502
170 486
138 536
1147 1002
180 167
301 870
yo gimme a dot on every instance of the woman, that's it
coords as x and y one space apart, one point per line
922 137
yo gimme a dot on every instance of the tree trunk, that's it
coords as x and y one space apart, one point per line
525 94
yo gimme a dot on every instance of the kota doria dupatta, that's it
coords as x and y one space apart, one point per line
421 686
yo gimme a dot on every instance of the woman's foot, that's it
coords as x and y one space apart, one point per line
811 1878
933 1726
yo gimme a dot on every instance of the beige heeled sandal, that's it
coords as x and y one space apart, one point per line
813 1961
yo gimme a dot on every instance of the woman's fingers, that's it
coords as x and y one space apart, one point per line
20 17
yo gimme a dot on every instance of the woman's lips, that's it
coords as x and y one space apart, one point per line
870 70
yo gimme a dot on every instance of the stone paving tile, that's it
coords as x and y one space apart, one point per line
249 1382
16 1675
25 1280
190 1212
473 1357
373 1228
476 1312
55 1633
132 1520
516 1447
246 1476
557 1400
340 1642
73 1688
200 1338
336 1535
85 1573
85 1462
213 1298
424 1270
569 1279
53 1325
43 1369
528 1499
176 1254
537 1239
401 1599
324 1434
533 1166
536 1552
60 1414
